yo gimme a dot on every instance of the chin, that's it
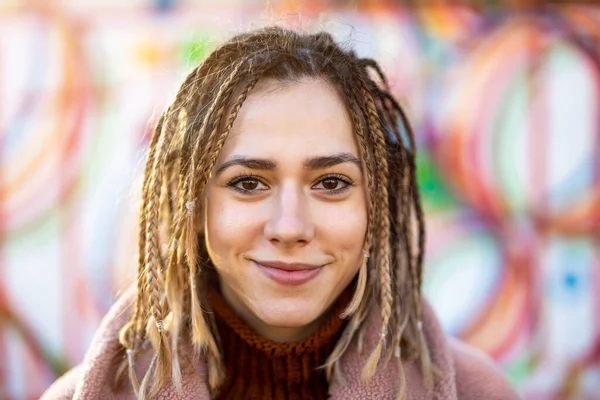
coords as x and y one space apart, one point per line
288 313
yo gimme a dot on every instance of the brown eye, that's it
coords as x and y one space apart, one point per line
249 184
330 184
334 184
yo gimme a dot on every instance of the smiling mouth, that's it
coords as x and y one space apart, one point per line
289 274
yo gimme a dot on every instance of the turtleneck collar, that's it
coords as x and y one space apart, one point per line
259 368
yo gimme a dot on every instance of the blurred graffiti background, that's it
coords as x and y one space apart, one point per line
505 100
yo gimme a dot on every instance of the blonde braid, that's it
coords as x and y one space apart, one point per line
176 286
362 275
176 268
155 329
403 236
416 203
175 273
390 107
130 336
381 172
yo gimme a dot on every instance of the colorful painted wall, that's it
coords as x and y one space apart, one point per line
506 106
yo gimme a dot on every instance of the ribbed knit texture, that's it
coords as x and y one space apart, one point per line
258 368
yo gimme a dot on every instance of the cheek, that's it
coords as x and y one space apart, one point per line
231 228
344 227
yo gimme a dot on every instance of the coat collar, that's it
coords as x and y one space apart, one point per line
99 367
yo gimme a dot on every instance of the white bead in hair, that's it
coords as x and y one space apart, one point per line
397 351
190 204
365 254
160 325
420 325
129 356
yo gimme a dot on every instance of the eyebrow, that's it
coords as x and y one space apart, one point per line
313 163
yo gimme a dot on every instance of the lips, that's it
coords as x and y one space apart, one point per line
288 274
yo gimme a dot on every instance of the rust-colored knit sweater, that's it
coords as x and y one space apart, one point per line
258 368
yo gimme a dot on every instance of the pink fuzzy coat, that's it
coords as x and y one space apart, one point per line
467 374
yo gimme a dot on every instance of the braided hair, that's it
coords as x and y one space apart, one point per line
171 307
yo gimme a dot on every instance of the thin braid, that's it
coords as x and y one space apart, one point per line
154 282
399 317
415 265
387 298
362 281
402 216
414 191
178 259
175 273
147 196
140 300
175 285
415 199
402 220
402 233
130 335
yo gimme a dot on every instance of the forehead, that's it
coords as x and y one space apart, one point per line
291 120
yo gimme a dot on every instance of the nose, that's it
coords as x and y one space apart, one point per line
289 224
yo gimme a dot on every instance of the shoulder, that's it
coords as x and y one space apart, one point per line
64 387
476 375
92 375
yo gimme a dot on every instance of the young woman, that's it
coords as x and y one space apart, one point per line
281 243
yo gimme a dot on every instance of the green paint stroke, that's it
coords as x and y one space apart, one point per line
519 371
434 191
197 48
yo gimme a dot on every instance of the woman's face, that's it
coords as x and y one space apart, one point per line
285 208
